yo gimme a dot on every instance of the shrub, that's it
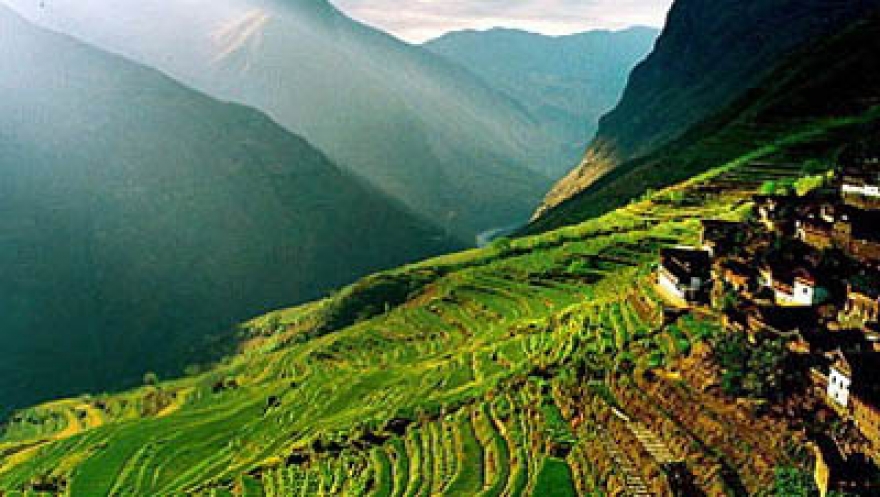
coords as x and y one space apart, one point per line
794 482
749 370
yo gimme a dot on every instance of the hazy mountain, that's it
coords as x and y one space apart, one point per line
137 217
566 82
836 78
709 53
416 126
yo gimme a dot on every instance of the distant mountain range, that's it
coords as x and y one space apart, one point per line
138 218
565 82
422 129
709 54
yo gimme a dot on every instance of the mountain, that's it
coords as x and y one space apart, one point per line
141 220
532 367
707 56
415 126
566 82
830 79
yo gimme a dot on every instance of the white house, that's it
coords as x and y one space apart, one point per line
871 191
685 273
797 289
861 180
839 384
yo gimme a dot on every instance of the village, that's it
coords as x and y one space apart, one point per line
805 269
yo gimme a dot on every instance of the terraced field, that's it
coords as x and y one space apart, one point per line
516 369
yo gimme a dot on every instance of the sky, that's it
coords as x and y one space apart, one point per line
419 20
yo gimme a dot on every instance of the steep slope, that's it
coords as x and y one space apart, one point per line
567 82
138 217
497 370
708 55
415 126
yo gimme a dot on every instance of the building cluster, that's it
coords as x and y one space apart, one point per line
805 268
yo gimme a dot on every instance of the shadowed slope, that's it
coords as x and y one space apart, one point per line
138 217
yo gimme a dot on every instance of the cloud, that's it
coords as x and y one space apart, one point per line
418 20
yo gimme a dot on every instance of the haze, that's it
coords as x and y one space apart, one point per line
420 20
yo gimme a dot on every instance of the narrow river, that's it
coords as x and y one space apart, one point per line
486 237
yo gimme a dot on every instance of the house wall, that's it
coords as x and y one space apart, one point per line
670 284
800 295
838 387
871 191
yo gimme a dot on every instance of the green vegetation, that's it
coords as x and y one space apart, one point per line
794 482
458 375
807 184
751 370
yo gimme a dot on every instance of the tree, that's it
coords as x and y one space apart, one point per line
750 370
768 188
794 482
502 245
151 379
807 184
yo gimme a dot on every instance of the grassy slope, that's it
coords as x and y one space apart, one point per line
480 357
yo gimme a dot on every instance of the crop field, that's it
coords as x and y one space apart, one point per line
517 369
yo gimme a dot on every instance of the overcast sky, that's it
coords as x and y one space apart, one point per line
419 20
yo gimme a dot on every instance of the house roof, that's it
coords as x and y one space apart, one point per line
717 231
862 367
737 267
784 319
787 275
686 262
718 225
865 224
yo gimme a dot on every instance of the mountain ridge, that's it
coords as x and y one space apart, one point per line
423 130
565 82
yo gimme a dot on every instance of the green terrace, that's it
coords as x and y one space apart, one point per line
500 371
